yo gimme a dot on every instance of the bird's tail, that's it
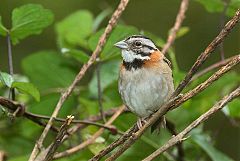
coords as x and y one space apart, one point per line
160 123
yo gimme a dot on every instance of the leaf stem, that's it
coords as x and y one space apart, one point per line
98 70
10 64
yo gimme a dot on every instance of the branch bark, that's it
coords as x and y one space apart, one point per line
211 47
90 140
112 23
210 68
59 138
180 137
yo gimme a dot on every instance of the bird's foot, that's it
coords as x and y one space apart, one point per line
141 122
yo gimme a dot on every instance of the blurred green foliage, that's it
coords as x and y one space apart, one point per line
47 73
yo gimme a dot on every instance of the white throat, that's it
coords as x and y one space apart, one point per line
129 56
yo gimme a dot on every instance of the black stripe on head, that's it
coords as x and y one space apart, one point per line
151 48
138 36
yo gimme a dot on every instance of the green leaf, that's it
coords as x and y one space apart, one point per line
98 144
98 20
108 74
234 110
213 153
19 158
75 28
6 79
212 5
48 70
119 33
3 30
233 7
48 102
182 31
29 19
27 88
218 6
79 55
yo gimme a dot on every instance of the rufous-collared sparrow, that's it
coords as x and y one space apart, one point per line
145 79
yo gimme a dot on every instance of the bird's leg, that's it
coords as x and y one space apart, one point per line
141 122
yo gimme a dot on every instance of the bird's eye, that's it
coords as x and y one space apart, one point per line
138 43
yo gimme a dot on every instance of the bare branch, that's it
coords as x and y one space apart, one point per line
10 64
98 72
115 144
214 66
178 22
59 138
211 47
90 140
20 108
172 129
180 137
67 93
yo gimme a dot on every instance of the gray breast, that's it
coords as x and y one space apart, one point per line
144 91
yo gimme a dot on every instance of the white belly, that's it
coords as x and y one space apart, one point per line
144 91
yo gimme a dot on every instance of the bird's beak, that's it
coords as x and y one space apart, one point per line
121 44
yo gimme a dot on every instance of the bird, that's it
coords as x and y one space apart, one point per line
145 78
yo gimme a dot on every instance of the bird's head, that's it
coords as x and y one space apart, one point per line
136 48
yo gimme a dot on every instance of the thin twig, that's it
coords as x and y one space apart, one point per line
90 140
10 65
115 144
112 23
15 106
222 22
98 72
180 137
211 47
178 22
172 129
210 68
59 138
174 103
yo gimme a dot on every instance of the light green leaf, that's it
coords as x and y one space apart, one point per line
233 107
79 55
98 20
19 158
3 30
48 69
6 79
212 5
182 31
233 7
75 28
108 74
213 153
29 19
218 6
48 102
97 146
27 88
119 33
